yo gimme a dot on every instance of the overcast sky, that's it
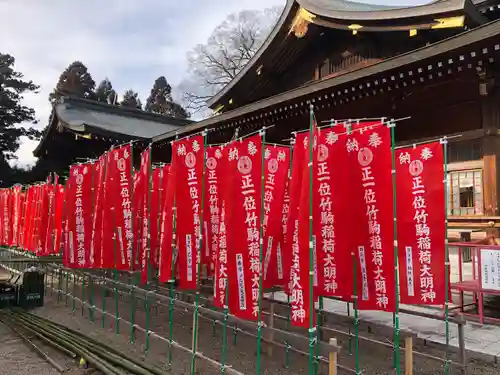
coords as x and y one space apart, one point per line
131 42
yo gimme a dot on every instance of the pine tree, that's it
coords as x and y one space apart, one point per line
131 100
13 113
74 81
104 92
160 100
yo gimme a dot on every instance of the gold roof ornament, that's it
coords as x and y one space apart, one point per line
354 27
450 22
300 23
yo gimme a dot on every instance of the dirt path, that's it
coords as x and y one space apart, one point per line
241 354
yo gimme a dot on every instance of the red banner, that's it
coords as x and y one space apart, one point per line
370 162
108 216
300 280
6 232
421 224
26 217
211 220
332 228
16 215
43 217
138 198
96 240
283 239
49 210
220 244
277 163
58 219
154 214
243 211
167 224
299 162
121 172
188 163
79 216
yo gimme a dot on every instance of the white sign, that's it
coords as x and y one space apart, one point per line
490 269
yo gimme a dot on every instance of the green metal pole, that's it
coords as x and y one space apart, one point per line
148 253
261 234
132 260
350 333
392 127
226 302
289 312
172 280
446 260
312 328
103 302
356 315
198 252
115 272
91 283
74 292
83 294
319 316
104 194
319 320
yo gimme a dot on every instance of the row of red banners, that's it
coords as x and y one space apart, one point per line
241 213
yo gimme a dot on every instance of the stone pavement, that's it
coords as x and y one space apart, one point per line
481 341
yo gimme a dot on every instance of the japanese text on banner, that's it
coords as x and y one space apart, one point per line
370 160
421 224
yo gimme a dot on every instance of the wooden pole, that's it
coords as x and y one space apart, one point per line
332 359
408 355
462 350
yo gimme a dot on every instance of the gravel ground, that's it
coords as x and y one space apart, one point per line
241 355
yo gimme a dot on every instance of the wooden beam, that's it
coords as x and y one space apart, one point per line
491 154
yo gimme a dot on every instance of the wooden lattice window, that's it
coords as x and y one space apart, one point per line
465 195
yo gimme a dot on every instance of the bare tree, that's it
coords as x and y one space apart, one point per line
229 48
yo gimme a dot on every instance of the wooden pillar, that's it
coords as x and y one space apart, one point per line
490 113
332 359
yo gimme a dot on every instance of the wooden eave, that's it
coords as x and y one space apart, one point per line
120 123
439 7
475 40
388 19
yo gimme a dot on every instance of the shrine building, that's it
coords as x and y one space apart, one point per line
81 129
436 63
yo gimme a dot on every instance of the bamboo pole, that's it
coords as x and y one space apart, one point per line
101 249
397 353
148 252
356 316
115 271
447 255
288 321
198 259
261 235
91 284
270 324
312 327
172 280
226 308
133 260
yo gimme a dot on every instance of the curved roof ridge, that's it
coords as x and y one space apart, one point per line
351 10
323 8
